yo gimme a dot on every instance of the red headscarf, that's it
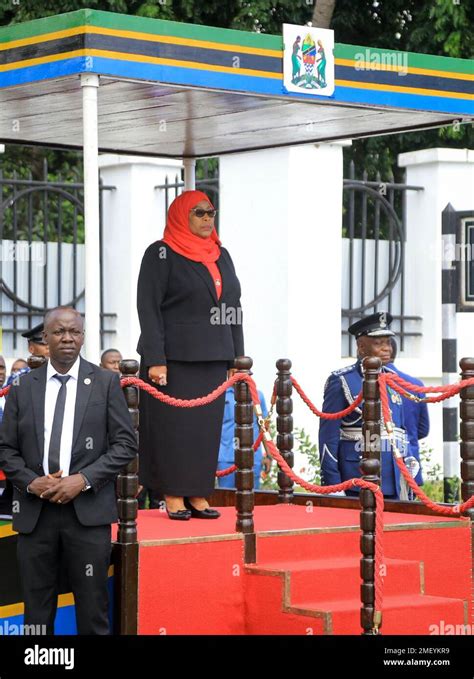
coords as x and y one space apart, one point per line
179 236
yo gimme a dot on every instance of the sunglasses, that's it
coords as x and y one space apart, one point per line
199 212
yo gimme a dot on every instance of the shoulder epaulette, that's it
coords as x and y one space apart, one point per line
343 371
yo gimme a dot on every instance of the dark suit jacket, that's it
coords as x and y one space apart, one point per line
181 318
104 442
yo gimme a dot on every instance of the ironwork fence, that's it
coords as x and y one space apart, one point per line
46 218
374 241
41 236
207 180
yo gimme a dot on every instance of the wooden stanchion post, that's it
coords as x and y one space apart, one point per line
35 362
467 452
244 460
126 547
284 409
370 468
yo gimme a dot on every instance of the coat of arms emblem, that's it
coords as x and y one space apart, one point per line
308 59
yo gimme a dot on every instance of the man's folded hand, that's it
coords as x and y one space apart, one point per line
43 483
66 490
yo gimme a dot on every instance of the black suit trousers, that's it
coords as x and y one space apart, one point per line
61 541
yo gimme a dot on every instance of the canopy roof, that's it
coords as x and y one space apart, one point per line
172 89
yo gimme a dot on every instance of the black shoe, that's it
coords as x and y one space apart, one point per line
207 513
180 515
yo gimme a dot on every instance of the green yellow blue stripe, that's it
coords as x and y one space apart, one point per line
187 54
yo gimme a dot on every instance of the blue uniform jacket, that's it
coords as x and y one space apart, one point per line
9 381
417 421
340 441
227 448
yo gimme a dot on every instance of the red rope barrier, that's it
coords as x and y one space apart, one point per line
193 402
232 468
423 388
273 451
401 385
447 390
406 394
387 417
445 511
227 471
320 413
398 384
326 490
200 401
395 381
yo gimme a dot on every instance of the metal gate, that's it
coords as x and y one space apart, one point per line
42 237
374 241
208 168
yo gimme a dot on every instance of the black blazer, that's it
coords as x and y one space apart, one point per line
181 318
101 417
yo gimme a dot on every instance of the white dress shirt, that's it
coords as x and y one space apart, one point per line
52 390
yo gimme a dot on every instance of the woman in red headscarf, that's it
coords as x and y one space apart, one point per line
191 332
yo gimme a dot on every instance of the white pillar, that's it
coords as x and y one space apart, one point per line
134 216
281 219
90 84
189 174
447 176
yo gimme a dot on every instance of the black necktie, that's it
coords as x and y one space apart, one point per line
55 440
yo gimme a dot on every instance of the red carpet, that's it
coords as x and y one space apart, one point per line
306 580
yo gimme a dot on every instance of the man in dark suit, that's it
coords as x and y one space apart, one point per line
66 434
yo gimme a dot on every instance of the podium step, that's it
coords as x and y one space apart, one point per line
324 577
322 596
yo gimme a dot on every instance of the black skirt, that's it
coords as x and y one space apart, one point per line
179 446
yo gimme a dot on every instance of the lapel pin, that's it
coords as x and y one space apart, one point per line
87 380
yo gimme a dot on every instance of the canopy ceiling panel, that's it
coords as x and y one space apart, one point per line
170 89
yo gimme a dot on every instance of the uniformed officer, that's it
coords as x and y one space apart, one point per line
36 344
416 420
37 347
340 441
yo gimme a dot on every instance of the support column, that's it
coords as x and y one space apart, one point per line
189 174
444 173
90 84
291 274
449 355
134 217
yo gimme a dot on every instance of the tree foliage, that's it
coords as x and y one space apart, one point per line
440 27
